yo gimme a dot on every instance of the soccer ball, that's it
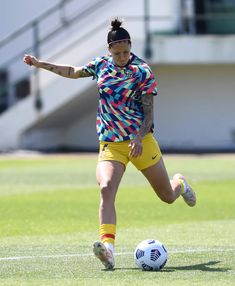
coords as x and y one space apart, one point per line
150 255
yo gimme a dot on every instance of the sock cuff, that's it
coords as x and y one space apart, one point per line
182 186
107 233
107 229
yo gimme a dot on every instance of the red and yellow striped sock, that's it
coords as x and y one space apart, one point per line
107 235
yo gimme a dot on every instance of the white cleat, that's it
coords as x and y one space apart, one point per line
104 255
189 195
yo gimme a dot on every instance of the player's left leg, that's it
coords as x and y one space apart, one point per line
188 194
168 191
152 166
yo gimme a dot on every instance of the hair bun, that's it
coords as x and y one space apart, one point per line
115 24
117 33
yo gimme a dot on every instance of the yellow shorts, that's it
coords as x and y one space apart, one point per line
119 151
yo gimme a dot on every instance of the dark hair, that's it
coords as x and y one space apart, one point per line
117 33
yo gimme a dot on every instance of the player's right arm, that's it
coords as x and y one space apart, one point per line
62 70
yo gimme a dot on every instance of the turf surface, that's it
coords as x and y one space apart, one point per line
48 221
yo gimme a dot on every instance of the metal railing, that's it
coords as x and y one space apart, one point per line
188 26
34 28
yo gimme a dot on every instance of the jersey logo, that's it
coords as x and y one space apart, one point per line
128 74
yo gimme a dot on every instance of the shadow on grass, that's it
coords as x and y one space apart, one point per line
200 267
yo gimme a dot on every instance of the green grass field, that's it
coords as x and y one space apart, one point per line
49 219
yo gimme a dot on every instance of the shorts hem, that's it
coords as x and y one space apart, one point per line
109 159
149 165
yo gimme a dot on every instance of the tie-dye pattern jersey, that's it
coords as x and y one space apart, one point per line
120 113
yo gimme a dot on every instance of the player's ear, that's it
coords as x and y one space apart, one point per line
109 48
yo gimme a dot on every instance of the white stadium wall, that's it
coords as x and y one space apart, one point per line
195 107
194 111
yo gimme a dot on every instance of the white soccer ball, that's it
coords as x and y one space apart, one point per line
150 255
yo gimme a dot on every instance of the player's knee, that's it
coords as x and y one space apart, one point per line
168 200
106 189
166 197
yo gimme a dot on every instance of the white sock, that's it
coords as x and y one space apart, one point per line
109 246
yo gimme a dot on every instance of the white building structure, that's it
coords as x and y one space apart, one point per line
194 110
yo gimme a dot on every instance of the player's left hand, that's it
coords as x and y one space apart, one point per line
136 147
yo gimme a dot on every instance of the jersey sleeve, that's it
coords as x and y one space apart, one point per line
148 83
91 67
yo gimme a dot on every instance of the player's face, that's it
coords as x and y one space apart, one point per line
121 53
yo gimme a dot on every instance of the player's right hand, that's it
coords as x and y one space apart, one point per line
30 60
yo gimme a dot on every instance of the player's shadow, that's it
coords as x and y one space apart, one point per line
200 267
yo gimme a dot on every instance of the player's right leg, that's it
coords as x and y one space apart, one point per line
108 174
104 254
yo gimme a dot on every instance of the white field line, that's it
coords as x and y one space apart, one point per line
117 254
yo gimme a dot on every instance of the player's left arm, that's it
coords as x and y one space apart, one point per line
147 103
145 128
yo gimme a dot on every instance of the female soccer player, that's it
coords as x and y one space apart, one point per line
126 87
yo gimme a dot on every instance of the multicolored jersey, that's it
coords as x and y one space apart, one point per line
120 112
